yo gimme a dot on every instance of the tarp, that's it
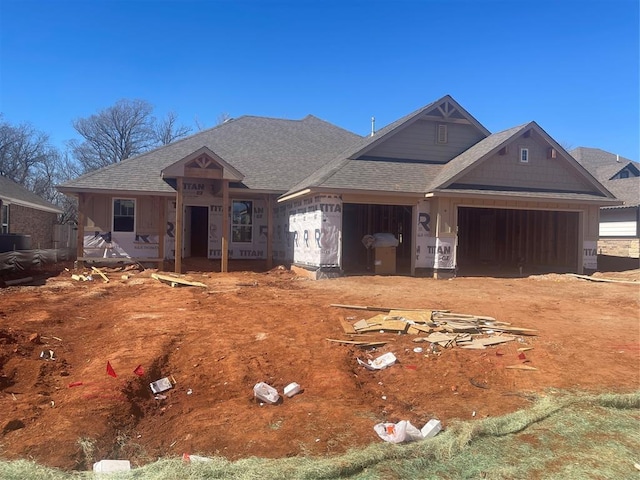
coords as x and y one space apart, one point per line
19 260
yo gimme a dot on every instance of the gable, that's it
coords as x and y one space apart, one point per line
435 133
547 169
202 163
431 138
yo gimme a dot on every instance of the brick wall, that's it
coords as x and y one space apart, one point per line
38 224
620 247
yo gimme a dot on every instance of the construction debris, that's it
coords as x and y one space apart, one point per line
175 281
99 272
443 328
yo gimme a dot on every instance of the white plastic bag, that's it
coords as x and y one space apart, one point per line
403 431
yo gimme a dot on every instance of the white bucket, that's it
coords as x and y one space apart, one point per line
291 389
265 392
431 428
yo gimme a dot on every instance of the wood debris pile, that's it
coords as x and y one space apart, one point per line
438 327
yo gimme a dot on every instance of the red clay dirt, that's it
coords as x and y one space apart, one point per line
218 342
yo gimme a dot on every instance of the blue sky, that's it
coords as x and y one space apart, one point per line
572 66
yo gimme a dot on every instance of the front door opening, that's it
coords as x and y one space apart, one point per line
199 240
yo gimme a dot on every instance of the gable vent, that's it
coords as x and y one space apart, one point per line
442 133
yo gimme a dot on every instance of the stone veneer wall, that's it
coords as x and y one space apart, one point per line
29 221
620 247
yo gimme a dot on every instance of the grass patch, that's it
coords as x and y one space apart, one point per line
560 436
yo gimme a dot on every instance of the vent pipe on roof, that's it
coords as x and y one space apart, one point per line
373 126
617 158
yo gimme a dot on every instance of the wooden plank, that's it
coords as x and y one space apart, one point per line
494 340
360 325
174 281
516 330
521 367
421 316
388 325
441 337
606 280
99 272
346 326
357 342
380 309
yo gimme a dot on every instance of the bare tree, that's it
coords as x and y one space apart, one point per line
114 134
123 130
22 150
27 158
167 130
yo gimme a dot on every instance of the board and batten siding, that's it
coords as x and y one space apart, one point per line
506 170
418 142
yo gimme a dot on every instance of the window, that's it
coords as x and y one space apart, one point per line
624 174
442 134
4 219
524 155
242 221
124 218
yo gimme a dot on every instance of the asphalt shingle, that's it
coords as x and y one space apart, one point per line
272 154
15 193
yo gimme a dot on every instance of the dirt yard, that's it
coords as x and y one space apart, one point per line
217 342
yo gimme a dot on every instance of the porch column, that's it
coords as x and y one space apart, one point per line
162 228
224 260
179 220
269 206
82 203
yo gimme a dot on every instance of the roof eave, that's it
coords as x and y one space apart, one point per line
531 196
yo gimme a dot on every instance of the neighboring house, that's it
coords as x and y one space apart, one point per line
24 213
619 225
305 192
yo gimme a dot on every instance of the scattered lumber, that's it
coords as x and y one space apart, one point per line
175 281
358 343
443 328
99 272
607 280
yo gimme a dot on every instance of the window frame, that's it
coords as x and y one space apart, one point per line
113 214
4 218
525 151
240 225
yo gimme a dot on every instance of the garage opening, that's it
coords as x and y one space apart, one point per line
503 240
359 220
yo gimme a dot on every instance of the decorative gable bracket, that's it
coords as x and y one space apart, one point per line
202 163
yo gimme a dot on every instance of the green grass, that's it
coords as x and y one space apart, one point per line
560 436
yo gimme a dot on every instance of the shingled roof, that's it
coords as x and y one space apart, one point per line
271 153
606 165
12 192
351 167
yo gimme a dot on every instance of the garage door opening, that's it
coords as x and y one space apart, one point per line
503 240
359 220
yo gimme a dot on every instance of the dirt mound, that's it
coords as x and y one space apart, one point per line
216 342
